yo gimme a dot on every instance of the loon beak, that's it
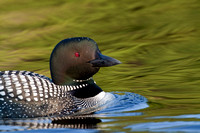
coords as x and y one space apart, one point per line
104 61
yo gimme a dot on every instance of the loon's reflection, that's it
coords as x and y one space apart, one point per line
45 123
78 122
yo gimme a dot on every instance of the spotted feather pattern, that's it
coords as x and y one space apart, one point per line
16 72
25 94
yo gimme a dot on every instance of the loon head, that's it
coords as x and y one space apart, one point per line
77 59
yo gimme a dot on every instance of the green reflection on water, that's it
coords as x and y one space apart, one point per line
157 42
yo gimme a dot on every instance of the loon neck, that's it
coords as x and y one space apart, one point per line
87 91
84 80
82 88
79 81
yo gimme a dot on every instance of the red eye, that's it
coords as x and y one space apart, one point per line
77 54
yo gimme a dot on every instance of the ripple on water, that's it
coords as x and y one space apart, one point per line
167 126
174 125
124 102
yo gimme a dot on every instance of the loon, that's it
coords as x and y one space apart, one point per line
71 91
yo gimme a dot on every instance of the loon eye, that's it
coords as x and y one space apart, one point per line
77 54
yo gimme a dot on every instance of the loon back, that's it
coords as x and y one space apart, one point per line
71 91
26 94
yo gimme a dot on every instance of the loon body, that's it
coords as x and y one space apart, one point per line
71 90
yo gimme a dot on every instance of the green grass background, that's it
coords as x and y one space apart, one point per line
156 40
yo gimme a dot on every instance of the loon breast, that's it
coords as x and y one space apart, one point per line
25 94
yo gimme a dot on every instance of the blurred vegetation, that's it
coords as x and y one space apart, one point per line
157 41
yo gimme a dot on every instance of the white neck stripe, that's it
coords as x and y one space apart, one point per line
73 87
75 80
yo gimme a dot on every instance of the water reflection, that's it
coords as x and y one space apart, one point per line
166 126
197 116
80 122
44 123
173 125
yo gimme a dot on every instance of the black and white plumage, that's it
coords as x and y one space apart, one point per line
72 91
